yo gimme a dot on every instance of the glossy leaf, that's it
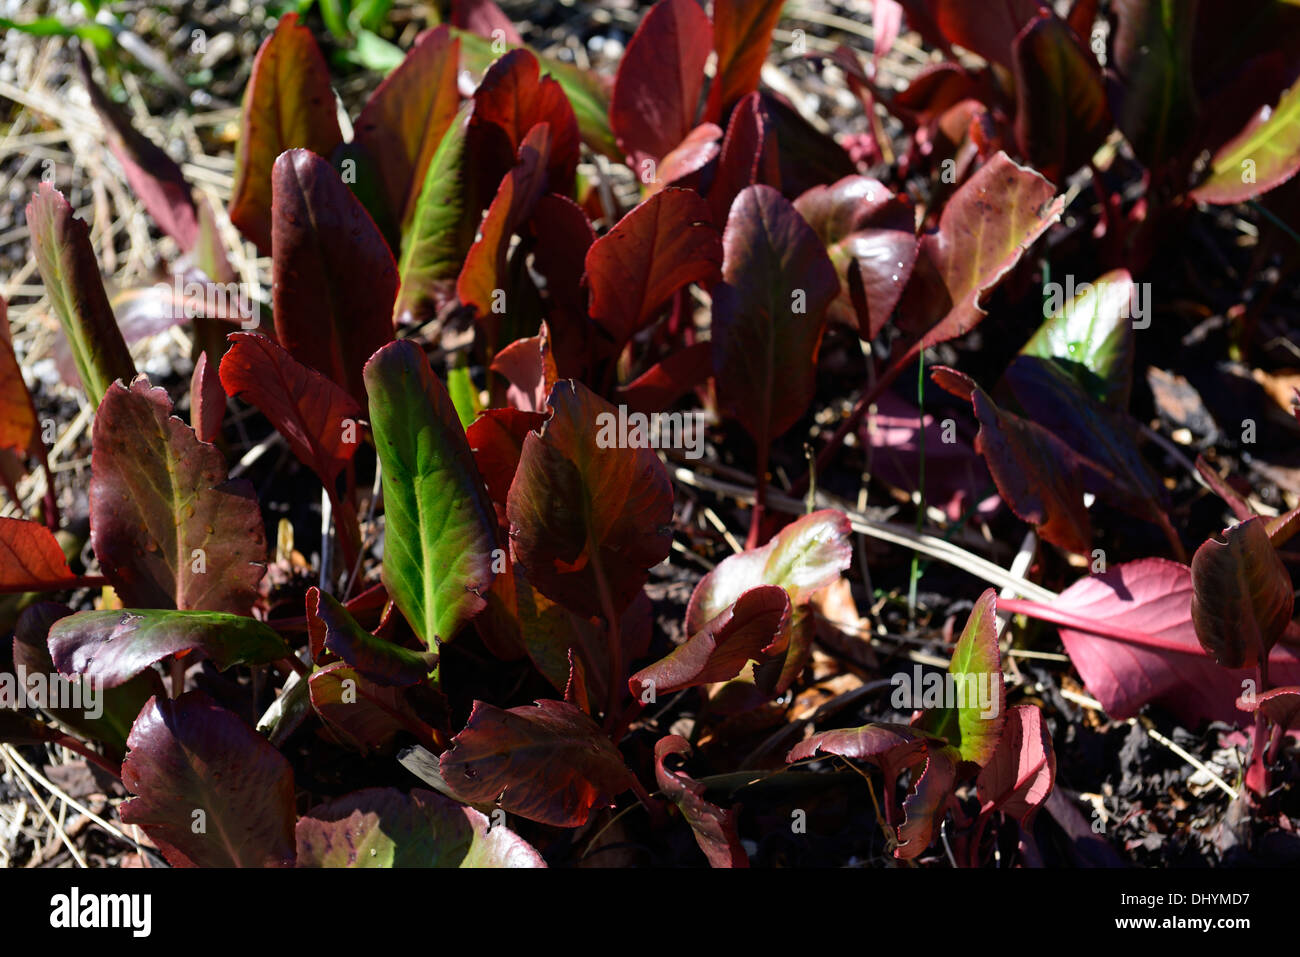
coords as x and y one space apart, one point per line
751 628
406 118
66 261
188 755
288 104
891 747
115 646
661 246
1061 111
1263 155
588 517
1020 774
660 77
865 227
168 528
547 762
742 33
1242 597
973 723
334 278
375 658
152 175
715 829
317 418
984 229
31 558
439 529
382 827
769 313
442 228
1129 633
1091 335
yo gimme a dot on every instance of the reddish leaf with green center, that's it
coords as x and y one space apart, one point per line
288 104
1268 147
549 763
190 756
334 278
769 313
1242 597
167 526
660 77
589 514
658 248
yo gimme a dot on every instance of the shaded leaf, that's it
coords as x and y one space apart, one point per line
588 517
405 119
547 762
334 278
750 628
188 755
360 714
715 829
529 367
317 418
1242 597
116 645
659 247
66 261
1020 774
497 440
439 529
660 77
1153 95
168 528
375 658
382 827
668 380
288 104
769 313
207 401
749 156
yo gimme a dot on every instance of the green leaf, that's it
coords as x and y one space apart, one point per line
463 395
440 528
1263 155
101 36
1091 336
973 722
67 265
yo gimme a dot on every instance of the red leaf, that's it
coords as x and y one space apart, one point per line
374 658
334 278
30 558
926 802
288 104
497 440
207 401
715 829
667 381
749 156
548 763
484 18
742 33
1020 775
987 28
513 98
17 413
168 528
529 367
404 120
316 417
563 235
587 514
1281 705
890 747
660 76
1242 597
692 154
769 314
664 244
153 175
188 755
360 714
752 627
1129 633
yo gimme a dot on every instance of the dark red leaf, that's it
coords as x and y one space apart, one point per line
926 802
485 18
987 29
17 412
210 791
662 245
660 77
375 658
207 401
360 714
692 154
1242 597
715 829
497 439
891 747
1020 775
549 763
588 514
334 278
166 525
1281 705
667 381
749 156
742 33
288 104
317 418
529 367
